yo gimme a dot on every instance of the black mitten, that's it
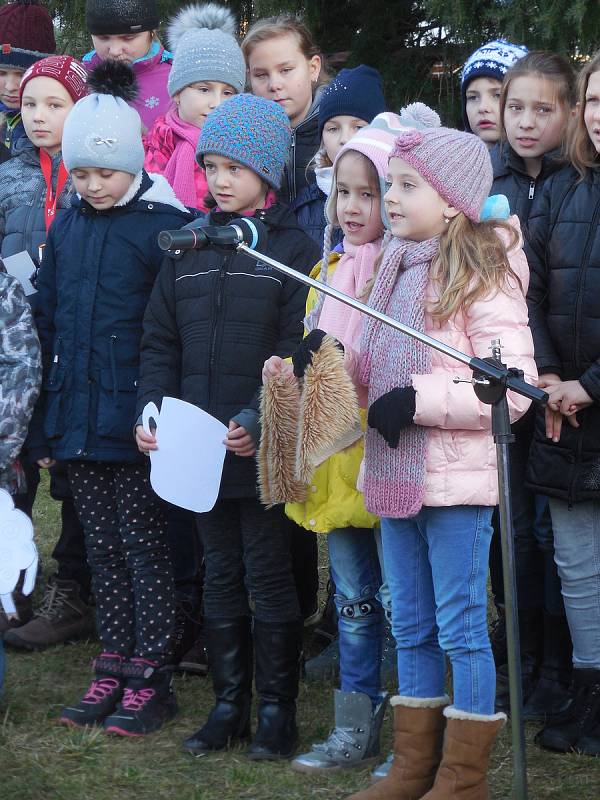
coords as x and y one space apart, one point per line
303 354
392 412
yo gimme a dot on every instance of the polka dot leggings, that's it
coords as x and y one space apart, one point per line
128 554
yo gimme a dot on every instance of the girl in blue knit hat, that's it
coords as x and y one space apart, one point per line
212 321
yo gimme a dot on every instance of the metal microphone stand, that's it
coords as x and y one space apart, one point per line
491 380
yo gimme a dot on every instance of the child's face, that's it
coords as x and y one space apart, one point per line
280 71
10 81
127 47
534 119
415 210
101 188
591 113
195 102
339 130
358 202
234 187
44 109
483 108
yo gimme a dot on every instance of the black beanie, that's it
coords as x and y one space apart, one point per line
117 17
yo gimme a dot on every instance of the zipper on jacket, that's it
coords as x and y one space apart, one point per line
113 366
580 277
55 360
292 169
219 305
531 188
33 207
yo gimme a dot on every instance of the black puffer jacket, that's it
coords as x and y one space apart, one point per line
304 145
214 319
511 179
564 306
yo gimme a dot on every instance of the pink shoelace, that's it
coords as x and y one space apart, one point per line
100 689
135 700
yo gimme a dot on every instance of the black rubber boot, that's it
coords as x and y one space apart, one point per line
530 636
229 646
278 649
580 729
552 695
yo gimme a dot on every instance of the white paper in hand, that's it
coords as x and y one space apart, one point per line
17 552
21 267
187 467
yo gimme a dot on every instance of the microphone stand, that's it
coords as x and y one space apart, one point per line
491 380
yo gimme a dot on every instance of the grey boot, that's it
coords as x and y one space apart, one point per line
354 741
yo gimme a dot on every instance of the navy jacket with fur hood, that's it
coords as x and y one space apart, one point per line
96 278
214 319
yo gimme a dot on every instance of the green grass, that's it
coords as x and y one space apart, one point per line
39 760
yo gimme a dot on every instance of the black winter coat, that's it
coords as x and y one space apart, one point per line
98 271
309 208
564 307
511 179
304 145
214 319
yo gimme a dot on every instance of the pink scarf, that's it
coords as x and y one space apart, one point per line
182 164
394 483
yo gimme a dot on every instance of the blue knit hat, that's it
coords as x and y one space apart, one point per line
491 60
354 93
249 129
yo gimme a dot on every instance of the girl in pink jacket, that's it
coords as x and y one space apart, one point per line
208 68
430 468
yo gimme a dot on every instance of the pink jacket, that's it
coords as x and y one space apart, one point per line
151 74
461 455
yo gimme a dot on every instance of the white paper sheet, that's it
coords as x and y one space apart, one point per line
186 469
17 552
21 267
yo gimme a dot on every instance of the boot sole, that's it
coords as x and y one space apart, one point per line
269 756
70 723
231 742
308 770
191 669
34 647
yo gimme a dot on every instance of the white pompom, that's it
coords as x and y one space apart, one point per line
206 15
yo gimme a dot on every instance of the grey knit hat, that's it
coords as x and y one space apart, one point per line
102 131
202 40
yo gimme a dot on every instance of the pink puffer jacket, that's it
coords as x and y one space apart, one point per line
461 455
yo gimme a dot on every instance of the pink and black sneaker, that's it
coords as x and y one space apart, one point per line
103 695
148 700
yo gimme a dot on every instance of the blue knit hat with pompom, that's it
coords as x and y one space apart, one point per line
251 130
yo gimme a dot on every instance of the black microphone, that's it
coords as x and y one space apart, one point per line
246 230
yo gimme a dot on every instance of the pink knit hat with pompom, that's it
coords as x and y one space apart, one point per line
456 164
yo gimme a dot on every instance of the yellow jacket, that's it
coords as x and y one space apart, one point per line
333 501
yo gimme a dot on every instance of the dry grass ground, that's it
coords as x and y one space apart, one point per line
39 760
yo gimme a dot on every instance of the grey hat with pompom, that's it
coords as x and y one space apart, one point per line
202 39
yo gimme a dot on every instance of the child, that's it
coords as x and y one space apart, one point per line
285 65
430 463
535 106
208 68
100 263
212 321
34 191
564 303
124 30
26 36
480 85
349 103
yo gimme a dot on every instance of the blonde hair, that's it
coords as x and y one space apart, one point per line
283 25
472 263
582 153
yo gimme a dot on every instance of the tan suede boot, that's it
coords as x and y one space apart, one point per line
468 742
418 735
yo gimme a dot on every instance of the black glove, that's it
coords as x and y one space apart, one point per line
303 355
392 412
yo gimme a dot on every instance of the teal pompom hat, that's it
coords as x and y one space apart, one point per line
251 130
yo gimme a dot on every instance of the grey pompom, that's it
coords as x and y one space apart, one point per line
206 15
423 115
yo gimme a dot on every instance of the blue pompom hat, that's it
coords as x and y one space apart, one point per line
356 92
251 130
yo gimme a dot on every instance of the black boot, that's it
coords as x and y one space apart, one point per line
552 696
580 730
229 646
278 654
530 637
498 636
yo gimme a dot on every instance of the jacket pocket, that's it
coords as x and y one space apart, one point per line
54 417
117 398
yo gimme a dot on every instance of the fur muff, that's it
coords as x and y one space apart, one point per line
279 410
329 416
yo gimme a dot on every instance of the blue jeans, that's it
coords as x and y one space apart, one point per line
436 565
577 555
354 564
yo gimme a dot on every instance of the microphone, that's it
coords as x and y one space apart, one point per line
246 230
